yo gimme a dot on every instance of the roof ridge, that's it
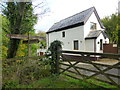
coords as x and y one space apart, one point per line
75 20
75 14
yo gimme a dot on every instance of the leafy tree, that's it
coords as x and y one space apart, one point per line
22 49
5 40
111 25
22 20
118 30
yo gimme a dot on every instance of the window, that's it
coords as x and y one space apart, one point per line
76 45
63 34
101 44
93 26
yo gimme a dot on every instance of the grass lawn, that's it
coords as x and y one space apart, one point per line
61 81
55 82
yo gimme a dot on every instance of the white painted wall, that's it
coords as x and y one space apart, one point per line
78 33
89 44
87 24
72 34
98 40
41 50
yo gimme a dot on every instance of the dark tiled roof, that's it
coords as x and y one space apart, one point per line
95 34
75 20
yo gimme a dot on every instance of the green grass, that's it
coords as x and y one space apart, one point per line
102 84
92 83
53 81
60 81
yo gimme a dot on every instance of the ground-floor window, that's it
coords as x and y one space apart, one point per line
76 45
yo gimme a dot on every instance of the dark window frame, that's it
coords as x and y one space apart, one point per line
63 34
76 44
101 44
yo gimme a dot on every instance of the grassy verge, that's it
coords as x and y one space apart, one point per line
92 83
53 82
61 81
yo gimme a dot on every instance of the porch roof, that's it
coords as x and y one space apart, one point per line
95 34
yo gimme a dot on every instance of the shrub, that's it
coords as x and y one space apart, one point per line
24 71
55 46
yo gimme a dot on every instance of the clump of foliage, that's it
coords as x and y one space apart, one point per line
24 71
21 21
54 48
4 38
22 49
112 25
119 30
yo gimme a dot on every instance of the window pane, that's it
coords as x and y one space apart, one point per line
63 34
76 45
93 26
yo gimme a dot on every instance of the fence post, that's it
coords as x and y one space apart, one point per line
55 53
57 59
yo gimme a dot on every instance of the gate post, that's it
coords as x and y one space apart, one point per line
57 60
55 53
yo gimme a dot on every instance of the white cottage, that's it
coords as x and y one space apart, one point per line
81 32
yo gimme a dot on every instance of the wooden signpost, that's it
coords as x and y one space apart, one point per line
17 36
31 39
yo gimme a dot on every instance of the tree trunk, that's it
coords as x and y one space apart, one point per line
14 43
13 47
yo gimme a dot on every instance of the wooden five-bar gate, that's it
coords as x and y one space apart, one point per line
84 68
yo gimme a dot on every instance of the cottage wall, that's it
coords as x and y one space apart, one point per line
98 42
87 24
89 44
72 34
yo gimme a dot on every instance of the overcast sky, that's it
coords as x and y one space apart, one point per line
60 9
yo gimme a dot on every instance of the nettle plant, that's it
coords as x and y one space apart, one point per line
54 50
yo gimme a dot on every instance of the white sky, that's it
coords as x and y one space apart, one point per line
60 9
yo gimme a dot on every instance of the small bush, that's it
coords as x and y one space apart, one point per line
32 73
10 84
24 71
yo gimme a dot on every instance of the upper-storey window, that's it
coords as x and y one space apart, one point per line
63 34
93 26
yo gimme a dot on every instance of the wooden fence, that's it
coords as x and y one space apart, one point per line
110 48
85 68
